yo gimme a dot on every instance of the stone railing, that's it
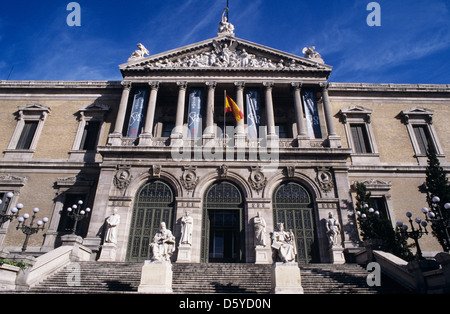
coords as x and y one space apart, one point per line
411 275
42 266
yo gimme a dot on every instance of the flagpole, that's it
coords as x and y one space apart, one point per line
224 115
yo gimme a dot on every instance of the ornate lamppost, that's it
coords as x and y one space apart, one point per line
4 217
435 216
414 234
29 230
77 214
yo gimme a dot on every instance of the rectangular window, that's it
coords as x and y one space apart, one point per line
360 138
90 135
27 135
423 137
379 204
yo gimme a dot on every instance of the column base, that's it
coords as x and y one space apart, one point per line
115 139
334 141
145 139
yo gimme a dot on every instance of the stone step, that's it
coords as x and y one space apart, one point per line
117 277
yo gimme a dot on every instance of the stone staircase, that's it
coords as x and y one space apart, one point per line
122 277
94 277
221 278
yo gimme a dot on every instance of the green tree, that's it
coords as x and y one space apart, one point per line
437 184
375 227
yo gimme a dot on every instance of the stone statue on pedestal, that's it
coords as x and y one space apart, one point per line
283 243
163 244
260 230
333 230
111 224
186 229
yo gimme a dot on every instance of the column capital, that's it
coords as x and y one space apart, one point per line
296 85
126 84
211 84
153 84
239 84
268 84
182 84
324 85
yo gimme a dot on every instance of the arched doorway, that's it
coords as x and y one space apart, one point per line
154 204
293 206
223 224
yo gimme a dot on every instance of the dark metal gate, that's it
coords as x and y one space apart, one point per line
154 204
292 205
223 237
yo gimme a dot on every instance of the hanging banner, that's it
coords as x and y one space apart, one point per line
311 113
137 113
253 115
195 116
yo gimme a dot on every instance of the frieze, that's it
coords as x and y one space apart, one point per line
225 53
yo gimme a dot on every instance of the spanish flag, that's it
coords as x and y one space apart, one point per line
231 106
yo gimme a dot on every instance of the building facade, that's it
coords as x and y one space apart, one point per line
160 144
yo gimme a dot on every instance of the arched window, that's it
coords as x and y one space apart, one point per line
154 204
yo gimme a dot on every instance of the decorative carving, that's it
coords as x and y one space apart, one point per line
225 54
290 171
155 171
223 171
312 54
140 53
189 179
7 179
122 178
225 27
325 179
257 179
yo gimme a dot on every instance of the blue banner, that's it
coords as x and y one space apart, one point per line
195 115
253 115
311 113
137 112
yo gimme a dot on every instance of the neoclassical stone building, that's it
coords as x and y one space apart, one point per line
159 144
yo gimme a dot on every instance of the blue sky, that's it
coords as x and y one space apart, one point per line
412 45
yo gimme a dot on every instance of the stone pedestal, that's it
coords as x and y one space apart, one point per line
71 240
337 255
156 277
262 255
286 279
184 253
108 253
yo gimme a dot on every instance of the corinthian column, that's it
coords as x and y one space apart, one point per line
209 131
145 137
178 131
115 137
333 139
240 125
299 116
269 110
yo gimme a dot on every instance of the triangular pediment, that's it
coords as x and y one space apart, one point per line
223 53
